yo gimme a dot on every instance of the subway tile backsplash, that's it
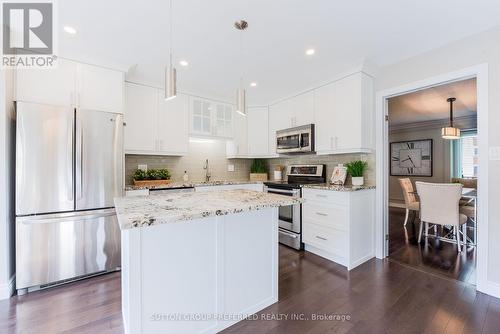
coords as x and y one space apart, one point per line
215 152
330 161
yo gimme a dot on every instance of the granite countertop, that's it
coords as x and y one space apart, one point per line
327 186
174 185
141 211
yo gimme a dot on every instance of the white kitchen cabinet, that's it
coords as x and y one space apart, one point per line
155 126
339 225
237 147
72 84
55 86
100 88
343 113
173 127
141 110
258 131
302 109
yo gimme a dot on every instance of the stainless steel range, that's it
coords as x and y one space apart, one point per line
290 217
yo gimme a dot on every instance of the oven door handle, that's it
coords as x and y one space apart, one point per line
288 234
287 192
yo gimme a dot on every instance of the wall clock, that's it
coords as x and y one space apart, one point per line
411 158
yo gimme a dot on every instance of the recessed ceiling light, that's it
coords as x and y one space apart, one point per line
183 63
310 52
70 30
253 84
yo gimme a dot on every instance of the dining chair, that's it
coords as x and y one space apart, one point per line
439 206
411 202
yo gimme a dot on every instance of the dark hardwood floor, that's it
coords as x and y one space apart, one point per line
434 256
379 297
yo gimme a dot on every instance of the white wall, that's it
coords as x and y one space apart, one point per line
7 165
481 48
440 158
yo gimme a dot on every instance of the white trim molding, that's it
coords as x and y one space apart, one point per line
7 289
480 72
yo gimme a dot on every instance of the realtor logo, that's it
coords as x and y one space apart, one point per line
28 34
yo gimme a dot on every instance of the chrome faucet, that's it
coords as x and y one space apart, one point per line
207 171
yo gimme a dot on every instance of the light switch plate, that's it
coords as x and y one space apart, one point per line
143 167
494 153
230 168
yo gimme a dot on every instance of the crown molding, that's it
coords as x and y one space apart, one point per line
463 123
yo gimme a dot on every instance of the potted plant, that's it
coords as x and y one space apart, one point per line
258 170
152 177
356 169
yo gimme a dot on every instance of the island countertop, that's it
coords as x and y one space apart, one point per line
141 211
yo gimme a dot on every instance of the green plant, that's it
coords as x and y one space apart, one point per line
152 174
140 175
258 166
356 168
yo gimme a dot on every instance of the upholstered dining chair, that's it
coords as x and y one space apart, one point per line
411 202
439 206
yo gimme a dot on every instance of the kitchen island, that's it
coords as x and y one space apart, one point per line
198 262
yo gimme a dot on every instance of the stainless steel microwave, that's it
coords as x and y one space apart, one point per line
295 140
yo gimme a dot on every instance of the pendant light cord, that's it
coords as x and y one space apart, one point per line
170 32
241 59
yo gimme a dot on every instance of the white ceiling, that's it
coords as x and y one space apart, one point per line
430 104
344 33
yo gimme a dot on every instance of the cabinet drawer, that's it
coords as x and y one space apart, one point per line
331 216
329 240
326 196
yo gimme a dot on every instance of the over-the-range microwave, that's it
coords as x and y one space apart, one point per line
295 140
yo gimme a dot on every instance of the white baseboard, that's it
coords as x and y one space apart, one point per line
327 255
7 289
492 289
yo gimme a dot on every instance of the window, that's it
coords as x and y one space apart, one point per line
465 155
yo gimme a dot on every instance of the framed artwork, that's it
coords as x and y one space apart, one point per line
339 175
411 158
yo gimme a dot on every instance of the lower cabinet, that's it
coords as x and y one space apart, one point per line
339 225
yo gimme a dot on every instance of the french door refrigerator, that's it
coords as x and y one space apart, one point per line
69 165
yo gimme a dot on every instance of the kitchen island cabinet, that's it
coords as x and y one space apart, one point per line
198 262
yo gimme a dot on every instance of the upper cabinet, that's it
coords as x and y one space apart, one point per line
343 112
302 109
211 118
72 84
55 86
258 132
173 124
141 110
155 126
100 88
237 147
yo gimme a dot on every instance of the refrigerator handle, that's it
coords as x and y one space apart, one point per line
80 191
69 176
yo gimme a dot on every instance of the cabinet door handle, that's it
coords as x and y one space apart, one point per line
322 196
321 238
321 214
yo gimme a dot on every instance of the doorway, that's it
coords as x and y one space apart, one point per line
480 74
419 153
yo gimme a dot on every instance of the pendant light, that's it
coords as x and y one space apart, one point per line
241 105
170 71
450 132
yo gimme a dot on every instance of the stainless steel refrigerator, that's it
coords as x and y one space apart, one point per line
69 167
